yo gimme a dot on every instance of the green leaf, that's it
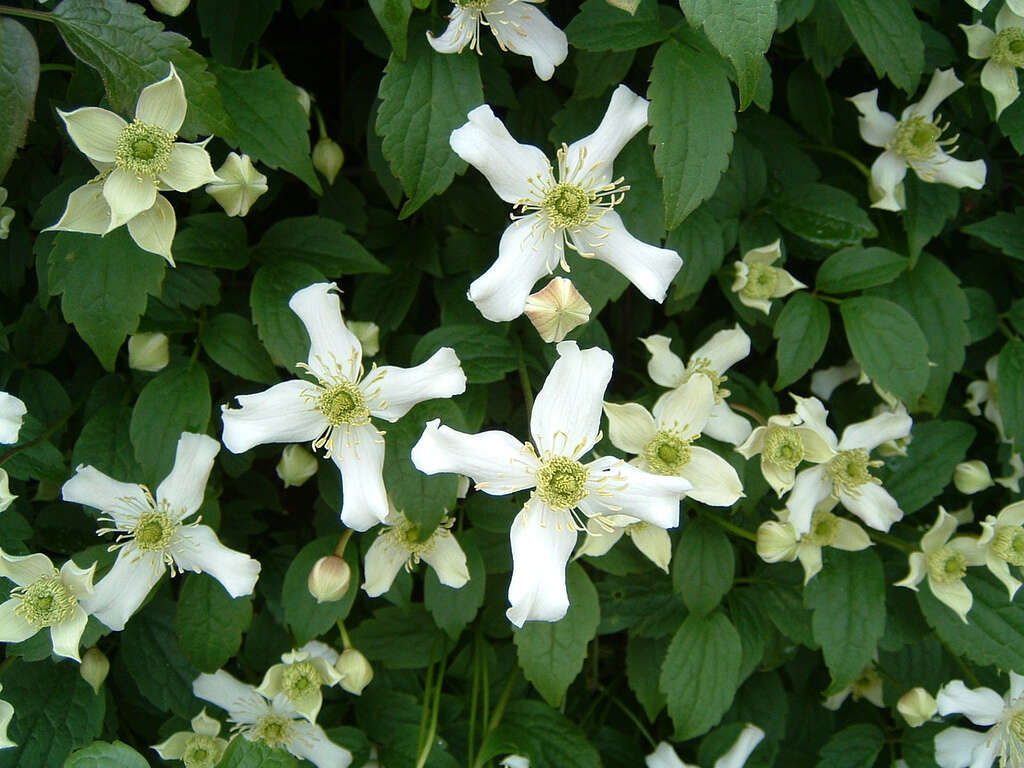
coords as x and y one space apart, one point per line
890 35
319 242
597 72
242 753
453 609
393 17
232 26
783 605
231 342
889 345
105 443
209 622
702 566
400 637
823 215
802 330
101 754
130 52
212 240
847 599
920 476
105 283
485 356
854 747
984 319
644 657
1011 388
700 243
150 650
601 27
810 103
692 126
544 736
701 673
280 329
306 618
856 268
19 78
271 124
37 458
1004 231
551 654
929 207
423 99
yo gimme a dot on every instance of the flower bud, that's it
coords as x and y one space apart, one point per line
328 158
296 466
6 497
776 541
148 352
239 187
368 334
94 668
917 706
329 579
629 6
355 669
170 7
971 477
556 309
304 99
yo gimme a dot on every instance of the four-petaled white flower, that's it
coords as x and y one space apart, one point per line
1004 51
565 424
987 393
962 747
239 185
45 598
152 534
300 675
914 141
335 412
199 748
574 211
757 282
275 721
1000 545
711 360
735 757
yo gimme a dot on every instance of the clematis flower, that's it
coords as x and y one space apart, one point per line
653 542
663 442
300 675
575 211
1000 545
945 562
199 748
779 541
1004 715
914 141
239 185
1004 51
987 393
46 598
868 685
335 412
758 282
274 722
6 713
847 475
517 26
136 161
399 545
712 360
565 424
12 413
152 534
736 756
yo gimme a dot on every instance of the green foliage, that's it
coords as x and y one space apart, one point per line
19 78
400 637
232 26
802 330
209 623
242 753
485 356
231 341
543 736
937 447
318 242
305 617
854 747
702 566
600 27
854 268
101 754
452 609
1011 387
823 215
156 662
890 36
393 17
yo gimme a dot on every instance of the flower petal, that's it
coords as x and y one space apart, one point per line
944 169
850 536
242 703
174 747
593 155
311 743
24 569
954 594
391 391
714 480
566 417
384 559
940 532
86 211
982 706
687 408
542 541
630 426
618 487
664 757
726 425
196 548
278 415
185 486
13 626
810 488
447 559
957 747
461 31
877 128
915 574
886 426
943 84
127 196
6 713
654 543
872 504
742 748
497 462
810 559
67 636
665 367
528 250
723 350
89 486
118 595
979 40
153 229
163 103
825 381
522 29
1010 15
189 167
359 454
333 349
94 131
887 173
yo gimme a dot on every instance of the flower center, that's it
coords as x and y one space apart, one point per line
946 565
300 680
474 5
143 150
761 281
343 403
561 482
667 453
273 730
567 205
200 752
918 139
153 531
784 448
850 470
1008 544
824 529
1008 47
45 602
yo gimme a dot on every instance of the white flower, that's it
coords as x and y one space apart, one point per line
987 393
300 675
135 161
945 562
962 747
712 360
335 413
12 413
399 545
653 542
239 185
758 282
199 748
517 26
565 424
45 597
662 443
971 477
6 713
1017 6
917 707
847 475
914 141
1000 545
6 215
152 534
867 686
355 670
575 211
779 541
515 761
274 722
1004 50
665 757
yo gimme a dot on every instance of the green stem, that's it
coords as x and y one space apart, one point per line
339 551
524 380
732 528
892 541
474 696
320 121
636 721
432 732
46 433
750 412
495 717
346 643
1006 330
825 297
840 153
428 688
26 14
968 672
55 68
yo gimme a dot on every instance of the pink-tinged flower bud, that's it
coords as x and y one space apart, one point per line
355 669
917 706
329 579
556 309
94 668
148 352
328 158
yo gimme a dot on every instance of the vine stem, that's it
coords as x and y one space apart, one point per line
436 708
495 717
750 412
840 153
524 379
25 13
892 541
732 528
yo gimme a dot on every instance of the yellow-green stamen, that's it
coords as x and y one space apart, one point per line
561 482
45 602
143 150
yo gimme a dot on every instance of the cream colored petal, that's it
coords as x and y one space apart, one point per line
625 117
810 558
1001 570
630 426
723 350
765 255
460 32
916 574
776 541
1013 514
94 131
86 211
13 626
67 635
77 580
1001 81
954 594
940 532
887 173
127 196
714 480
163 103
665 366
25 569
754 443
761 305
188 168
654 543
205 725
687 408
877 128
850 536
447 559
174 747
943 84
979 40
524 30
153 230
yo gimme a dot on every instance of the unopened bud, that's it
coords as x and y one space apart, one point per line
170 7
304 99
240 185
296 466
328 158
94 668
629 6
556 309
355 670
6 497
329 579
917 706
148 352
368 334
776 541
971 477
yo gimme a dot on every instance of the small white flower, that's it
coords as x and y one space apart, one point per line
12 413
565 425
368 334
239 185
1004 51
94 668
917 707
300 675
867 686
517 26
6 713
779 541
653 542
736 757
355 670
152 534
962 747
45 598
574 211
274 722
328 158
987 393
758 282
335 412
1000 545
199 748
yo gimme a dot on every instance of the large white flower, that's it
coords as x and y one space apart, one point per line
272 721
914 141
1004 51
736 756
962 747
847 475
711 360
565 424
152 534
517 26
575 210
335 412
